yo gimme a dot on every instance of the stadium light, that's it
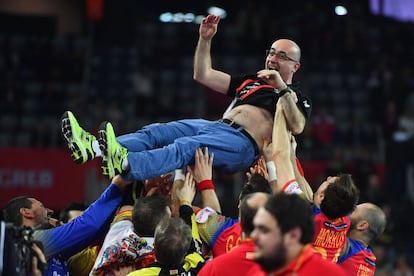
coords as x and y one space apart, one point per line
341 10
181 17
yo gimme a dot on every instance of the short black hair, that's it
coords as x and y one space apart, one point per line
11 213
147 213
247 213
255 184
340 197
72 206
291 211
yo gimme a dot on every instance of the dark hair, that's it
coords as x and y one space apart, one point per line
11 213
172 241
340 197
72 206
256 183
147 213
247 213
291 211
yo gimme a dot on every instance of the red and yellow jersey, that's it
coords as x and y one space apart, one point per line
330 235
357 259
227 240
219 232
237 262
307 263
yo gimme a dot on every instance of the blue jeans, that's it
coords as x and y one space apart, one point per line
161 148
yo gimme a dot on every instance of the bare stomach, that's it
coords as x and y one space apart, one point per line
257 121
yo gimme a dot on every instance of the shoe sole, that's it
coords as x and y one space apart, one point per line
71 136
105 147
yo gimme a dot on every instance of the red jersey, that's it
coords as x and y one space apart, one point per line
219 232
229 238
357 259
237 262
307 263
330 235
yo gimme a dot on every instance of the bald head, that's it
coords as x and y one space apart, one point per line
370 219
291 48
284 56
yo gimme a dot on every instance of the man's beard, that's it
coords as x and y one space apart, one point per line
275 261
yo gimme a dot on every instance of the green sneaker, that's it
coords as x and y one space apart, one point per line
113 154
77 139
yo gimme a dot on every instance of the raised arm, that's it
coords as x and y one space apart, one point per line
74 236
185 195
270 165
294 117
178 183
284 146
300 177
281 148
203 70
260 168
203 175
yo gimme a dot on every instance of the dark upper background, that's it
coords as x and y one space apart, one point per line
132 70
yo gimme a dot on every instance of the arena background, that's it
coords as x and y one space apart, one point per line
117 61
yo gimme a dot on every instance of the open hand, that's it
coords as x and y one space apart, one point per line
208 26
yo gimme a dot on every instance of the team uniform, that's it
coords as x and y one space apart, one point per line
193 261
220 233
236 262
123 247
82 262
254 91
61 242
192 264
168 146
226 238
307 263
330 235
357 259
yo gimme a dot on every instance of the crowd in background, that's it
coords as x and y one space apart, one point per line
357 70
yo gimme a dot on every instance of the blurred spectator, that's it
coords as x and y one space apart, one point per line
401 267
81 263
337 163
363 167
383 263
323 127
389 120
375 190
143 85
406 120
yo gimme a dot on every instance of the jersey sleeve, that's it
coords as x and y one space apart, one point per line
235 82
305 104
187 214
76 235
208 224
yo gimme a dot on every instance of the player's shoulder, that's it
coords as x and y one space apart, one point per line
327 266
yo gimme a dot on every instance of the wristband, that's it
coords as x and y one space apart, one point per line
271 170
205 185
185 202
292 187
284 91
179 174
